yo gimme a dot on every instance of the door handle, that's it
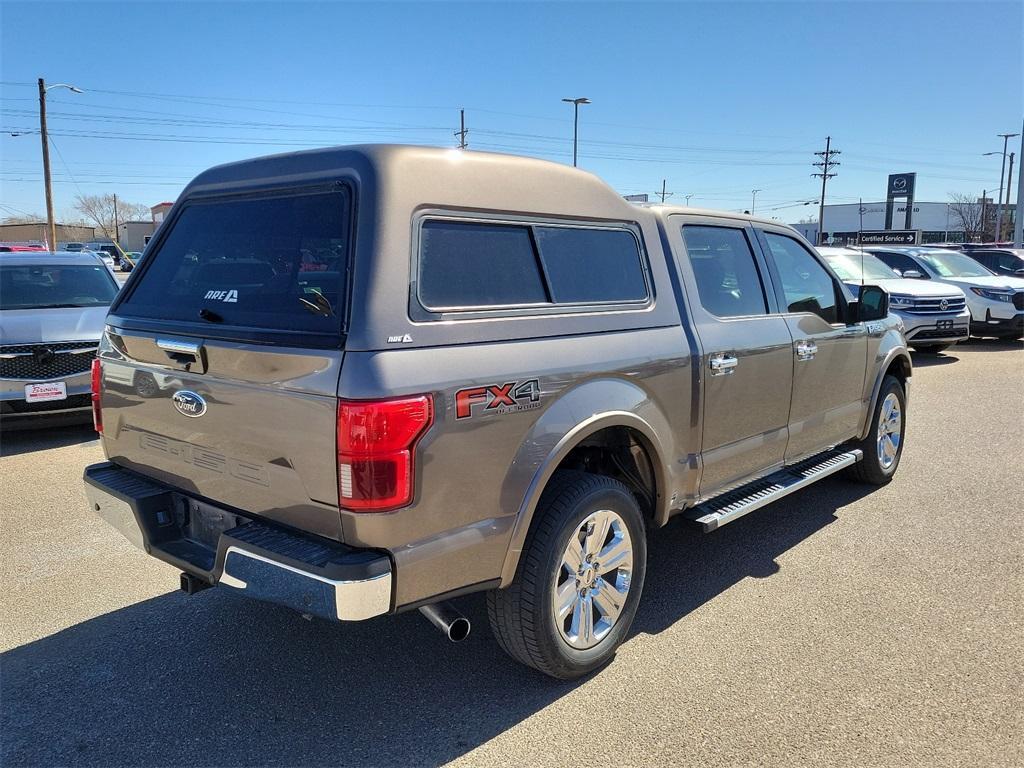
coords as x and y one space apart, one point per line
185 355
722 365
805 350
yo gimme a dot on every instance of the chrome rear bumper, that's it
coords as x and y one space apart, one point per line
267 562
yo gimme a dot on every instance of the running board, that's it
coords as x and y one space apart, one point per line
734 504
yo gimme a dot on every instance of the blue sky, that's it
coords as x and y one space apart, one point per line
719 99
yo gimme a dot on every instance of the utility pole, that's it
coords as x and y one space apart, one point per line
663 193
1009 183
117 236
51 225
826 164
984 214
575 123
462 132
999 198
753 199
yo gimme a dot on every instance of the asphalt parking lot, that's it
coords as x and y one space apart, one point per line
840 626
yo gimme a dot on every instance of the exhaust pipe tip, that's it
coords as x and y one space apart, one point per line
459 629
449 620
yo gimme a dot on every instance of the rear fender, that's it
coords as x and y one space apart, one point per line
576 415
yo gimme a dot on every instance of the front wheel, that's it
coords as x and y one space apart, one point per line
579 579
883 446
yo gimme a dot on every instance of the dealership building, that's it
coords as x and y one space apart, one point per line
938 222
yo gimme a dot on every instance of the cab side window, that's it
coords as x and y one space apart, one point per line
728 281
807 285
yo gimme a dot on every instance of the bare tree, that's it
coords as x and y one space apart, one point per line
100 210
975 217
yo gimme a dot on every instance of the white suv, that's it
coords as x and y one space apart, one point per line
934 315
996 301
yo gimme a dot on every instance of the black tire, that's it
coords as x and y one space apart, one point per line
870 469
931 349
522 617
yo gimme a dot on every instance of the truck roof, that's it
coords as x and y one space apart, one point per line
665 209
434 175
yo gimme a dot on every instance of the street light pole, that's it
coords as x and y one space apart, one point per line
688 198
51 224
753 199
575 123
999 200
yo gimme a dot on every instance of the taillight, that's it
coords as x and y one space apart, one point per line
97 383
376 445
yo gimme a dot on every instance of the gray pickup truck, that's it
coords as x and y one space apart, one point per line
391 376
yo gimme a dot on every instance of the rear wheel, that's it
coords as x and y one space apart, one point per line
579 578
883 446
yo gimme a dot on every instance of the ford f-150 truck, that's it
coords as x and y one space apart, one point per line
397 375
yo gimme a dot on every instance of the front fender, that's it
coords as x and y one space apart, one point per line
892 347
577 414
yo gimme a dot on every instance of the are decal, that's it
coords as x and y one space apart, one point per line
510 397
230 296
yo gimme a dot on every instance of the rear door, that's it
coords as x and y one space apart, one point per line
829 356
746 359
223 357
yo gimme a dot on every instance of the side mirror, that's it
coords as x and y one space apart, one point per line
912 274
872 304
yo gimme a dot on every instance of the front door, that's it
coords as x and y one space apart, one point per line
829 356
746 350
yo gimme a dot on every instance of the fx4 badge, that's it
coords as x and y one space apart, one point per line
510 397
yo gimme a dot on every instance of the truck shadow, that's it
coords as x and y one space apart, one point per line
217 680
45 436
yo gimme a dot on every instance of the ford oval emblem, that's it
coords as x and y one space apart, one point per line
189 403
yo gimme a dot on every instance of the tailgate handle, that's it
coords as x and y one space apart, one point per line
186 355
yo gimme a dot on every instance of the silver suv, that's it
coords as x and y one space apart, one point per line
52 307
396 375
935 315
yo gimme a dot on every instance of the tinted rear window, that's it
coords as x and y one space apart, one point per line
276 262
465 265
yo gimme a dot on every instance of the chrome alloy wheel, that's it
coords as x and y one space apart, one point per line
890 431
593 580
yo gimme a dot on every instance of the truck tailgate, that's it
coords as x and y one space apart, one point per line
254 431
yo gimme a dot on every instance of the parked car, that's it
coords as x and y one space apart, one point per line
996 301
934 315
1002 261
73 247
52 307
491 374
127 265
21 248
101 256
